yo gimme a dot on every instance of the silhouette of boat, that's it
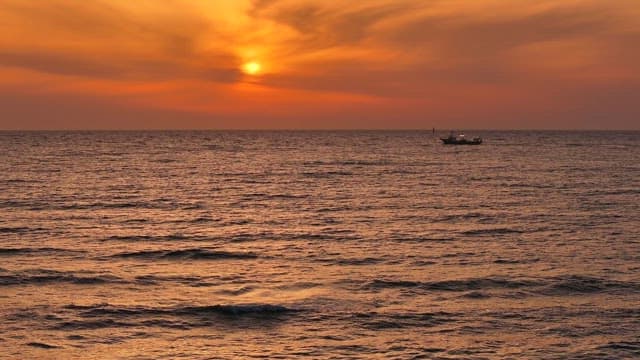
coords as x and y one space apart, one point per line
460 139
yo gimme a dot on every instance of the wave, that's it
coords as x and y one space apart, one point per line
18 229
333 209
181 317
155 279
40 277
202 219
170 237
464 217
454 285
476 295
555 286
264 196
185 254
514 261
351 261
66 206
236 292
494 231
18 181
327 235
347 162
326 174
381 321
240 309
578 284
163 161
133 221
42 345
249 309
29 251
113 205
91 325
629 347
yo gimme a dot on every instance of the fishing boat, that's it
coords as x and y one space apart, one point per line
460 139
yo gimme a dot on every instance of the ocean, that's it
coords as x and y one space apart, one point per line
319 244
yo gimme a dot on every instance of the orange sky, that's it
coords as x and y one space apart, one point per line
123 64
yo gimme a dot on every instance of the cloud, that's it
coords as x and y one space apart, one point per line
411 48
92 24
108 39
320 26
460 37
133 68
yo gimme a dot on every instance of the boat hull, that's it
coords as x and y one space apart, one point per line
449 141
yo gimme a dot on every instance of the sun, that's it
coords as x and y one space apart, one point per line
252 68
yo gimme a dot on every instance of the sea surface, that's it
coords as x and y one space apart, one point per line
321 245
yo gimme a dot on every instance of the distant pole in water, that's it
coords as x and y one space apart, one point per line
434 131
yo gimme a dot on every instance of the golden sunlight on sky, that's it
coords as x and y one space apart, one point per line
122 64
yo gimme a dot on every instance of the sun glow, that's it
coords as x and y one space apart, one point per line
252 68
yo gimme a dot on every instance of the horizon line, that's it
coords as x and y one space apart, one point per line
311 129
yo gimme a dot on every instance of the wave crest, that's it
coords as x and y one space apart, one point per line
454 285
185 254
182 317
40 277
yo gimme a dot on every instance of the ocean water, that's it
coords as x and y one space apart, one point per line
342 245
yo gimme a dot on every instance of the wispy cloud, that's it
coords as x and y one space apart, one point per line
107 39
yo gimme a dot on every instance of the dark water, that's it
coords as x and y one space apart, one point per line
224 245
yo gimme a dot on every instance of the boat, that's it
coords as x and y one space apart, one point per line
460 139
